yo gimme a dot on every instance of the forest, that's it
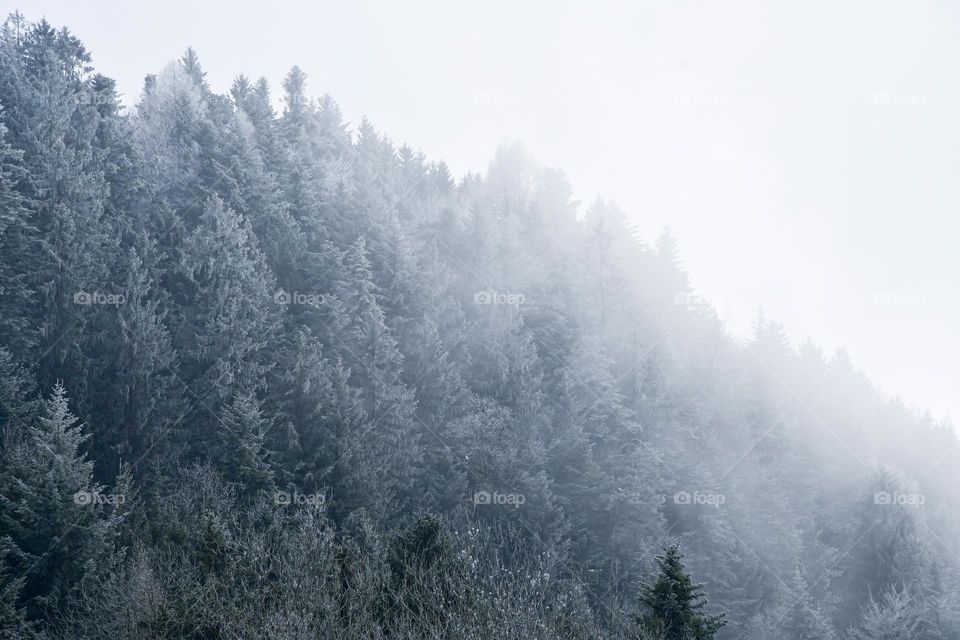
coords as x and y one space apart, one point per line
268 374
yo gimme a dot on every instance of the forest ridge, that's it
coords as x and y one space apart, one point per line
267 375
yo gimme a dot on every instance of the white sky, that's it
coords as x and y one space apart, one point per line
805 154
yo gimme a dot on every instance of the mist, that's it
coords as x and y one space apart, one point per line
362 320
800 154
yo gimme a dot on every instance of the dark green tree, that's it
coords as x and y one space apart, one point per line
57 523
13 621
675 604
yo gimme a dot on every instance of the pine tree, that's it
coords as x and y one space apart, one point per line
13 622
674 603
226 314
132 384
191 64
324 440
888 554
262 165
181 135
296 103
16 403
55 519
69 243
890 615
20 248
804 619
365 344
605 474
243 458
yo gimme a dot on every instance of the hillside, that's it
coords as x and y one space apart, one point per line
266 374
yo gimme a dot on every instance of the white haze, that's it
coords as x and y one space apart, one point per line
804 155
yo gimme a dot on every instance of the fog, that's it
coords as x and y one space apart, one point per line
801 153
478 322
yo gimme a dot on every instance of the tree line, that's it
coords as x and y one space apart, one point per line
267 375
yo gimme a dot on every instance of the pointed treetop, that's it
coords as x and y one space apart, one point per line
295 87
191 64
675 603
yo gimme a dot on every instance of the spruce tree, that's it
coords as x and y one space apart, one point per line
889 553
13 621
242 454
675 604
57 522
893 614
804 620
225 315
20 249
16 403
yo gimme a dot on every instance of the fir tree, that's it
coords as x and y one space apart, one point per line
20 250
55 519
226 312
674 603
16 403
804 619
891 615
13 622
242 453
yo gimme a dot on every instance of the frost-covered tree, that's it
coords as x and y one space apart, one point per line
57 523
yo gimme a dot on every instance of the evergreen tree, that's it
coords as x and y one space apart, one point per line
242 452
324 438
20 249
67 248
364 342
404 382
225 312
16 403
674 603
57 522
891 615
13 622
804 620
888 554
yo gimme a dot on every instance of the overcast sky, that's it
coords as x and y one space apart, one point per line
805 154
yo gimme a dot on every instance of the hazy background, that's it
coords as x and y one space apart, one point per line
805 155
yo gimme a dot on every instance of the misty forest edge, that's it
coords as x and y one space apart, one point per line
266 376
